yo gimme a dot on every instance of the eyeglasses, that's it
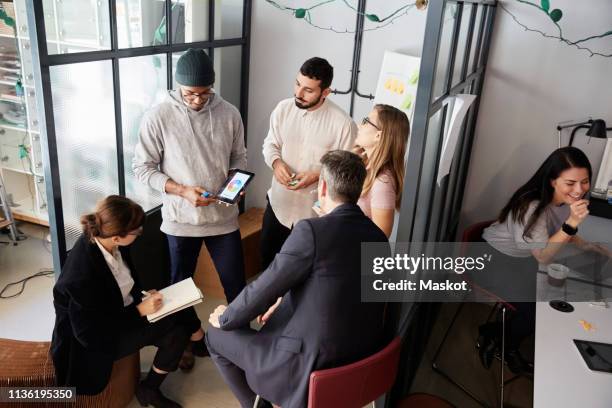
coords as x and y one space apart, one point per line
137 232
190 96
367 120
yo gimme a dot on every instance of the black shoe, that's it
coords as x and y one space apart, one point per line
199 348
486 352
146 396
187 361
517 364
488 343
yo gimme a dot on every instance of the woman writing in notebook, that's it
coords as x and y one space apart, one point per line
101 313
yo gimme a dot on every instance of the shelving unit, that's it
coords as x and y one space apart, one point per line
71 26
20 150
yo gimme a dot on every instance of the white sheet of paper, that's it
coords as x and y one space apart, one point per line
460 108
177 297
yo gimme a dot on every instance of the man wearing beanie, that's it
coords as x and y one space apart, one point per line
187 146
302 129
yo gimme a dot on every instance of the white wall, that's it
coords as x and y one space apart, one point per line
532 83
280 43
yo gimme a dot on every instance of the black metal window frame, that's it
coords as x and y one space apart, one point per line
42 62
431 213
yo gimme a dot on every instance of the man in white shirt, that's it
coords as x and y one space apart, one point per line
302 130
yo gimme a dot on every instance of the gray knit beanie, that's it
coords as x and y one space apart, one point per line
194 68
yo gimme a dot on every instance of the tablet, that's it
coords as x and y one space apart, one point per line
235 183
598 356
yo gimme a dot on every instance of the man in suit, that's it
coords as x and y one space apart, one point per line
321 321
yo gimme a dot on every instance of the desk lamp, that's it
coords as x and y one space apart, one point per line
596 128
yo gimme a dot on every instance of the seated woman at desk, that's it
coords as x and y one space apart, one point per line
381 142
540 217
100 316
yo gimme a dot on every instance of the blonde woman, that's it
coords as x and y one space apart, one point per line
381 142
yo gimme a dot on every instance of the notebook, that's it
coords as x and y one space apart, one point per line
177 297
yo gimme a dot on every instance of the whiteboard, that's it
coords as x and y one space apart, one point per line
397 81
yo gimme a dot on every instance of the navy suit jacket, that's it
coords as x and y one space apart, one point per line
321 321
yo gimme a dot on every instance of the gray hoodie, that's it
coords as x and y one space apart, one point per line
193 148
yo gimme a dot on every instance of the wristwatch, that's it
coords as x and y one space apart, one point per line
568 229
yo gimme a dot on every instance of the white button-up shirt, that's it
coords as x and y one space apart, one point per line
300 138
120 271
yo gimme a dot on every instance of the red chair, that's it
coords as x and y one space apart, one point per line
473 233
355 385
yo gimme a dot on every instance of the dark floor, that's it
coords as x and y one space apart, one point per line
459 359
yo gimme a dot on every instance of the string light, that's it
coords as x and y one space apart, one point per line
305 14
8 20
555 16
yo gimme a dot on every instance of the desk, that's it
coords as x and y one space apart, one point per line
578 287
562 378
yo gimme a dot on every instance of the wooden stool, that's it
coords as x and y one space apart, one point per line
120 388
26 364
206 276
29 364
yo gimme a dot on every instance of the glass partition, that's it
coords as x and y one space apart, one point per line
100 65
86 140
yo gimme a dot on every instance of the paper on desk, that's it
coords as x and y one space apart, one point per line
460 109
177 297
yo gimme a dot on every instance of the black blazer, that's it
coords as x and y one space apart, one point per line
321 321
89 316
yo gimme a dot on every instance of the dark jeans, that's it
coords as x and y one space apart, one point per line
225 251
170 334
273 236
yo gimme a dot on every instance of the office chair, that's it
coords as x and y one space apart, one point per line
356 384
